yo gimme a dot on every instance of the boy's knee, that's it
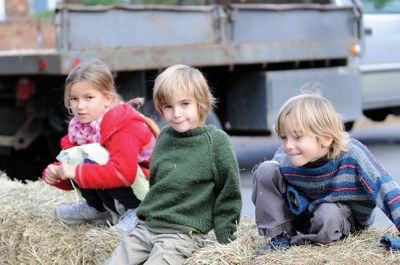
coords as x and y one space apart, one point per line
267 173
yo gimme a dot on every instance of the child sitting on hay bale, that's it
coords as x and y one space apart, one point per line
194 178
320 183
101 119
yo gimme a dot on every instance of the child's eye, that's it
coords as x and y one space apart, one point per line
298 137
283 137
72 99
166 107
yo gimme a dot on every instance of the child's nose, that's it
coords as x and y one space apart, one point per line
288 144
177 112
80 104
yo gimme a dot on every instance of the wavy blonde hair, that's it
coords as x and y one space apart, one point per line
314 114
183 79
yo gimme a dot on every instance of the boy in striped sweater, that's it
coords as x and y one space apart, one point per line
333 178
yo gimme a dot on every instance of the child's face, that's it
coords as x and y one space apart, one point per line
86 102
181 113
303 148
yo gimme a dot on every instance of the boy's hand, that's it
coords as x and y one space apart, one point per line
52 174
294 201
67 171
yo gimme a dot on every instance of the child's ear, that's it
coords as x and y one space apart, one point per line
326 140
109 99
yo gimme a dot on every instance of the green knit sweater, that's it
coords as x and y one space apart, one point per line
194 182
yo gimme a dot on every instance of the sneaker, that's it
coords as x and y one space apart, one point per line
280 242
79 213
126 223
114 216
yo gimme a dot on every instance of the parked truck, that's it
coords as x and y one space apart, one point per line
255 56
380 64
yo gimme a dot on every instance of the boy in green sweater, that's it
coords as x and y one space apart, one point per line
194 177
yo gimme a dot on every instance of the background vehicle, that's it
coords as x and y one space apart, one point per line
255 56
380 66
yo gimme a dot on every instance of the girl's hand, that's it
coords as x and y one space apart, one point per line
67 171
52 174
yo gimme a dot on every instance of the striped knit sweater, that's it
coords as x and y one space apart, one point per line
355 178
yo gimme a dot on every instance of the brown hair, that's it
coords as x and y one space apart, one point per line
99 75
95 73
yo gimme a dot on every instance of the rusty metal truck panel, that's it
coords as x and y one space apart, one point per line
129 37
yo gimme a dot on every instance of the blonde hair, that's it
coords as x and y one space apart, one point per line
183 79
99 75
312 113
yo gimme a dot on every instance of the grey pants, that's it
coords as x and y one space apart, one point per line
329 221
142 246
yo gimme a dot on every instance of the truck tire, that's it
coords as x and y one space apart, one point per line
348 126
28 164
376 114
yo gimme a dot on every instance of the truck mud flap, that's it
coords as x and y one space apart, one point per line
255 98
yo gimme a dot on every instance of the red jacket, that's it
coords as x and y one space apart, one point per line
125 135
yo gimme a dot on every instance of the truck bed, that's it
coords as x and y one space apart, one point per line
141 37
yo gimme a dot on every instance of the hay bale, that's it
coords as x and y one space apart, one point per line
30 234
361 248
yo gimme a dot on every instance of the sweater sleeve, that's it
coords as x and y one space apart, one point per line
228 203
380 186
121 169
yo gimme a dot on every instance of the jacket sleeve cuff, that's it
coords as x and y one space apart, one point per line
78 176
225 236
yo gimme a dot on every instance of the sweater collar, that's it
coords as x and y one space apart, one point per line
191 132
317 163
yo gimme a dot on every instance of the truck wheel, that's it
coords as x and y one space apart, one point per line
28 164
348 126
377 114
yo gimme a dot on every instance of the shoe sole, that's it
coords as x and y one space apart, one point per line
114 229
77 222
